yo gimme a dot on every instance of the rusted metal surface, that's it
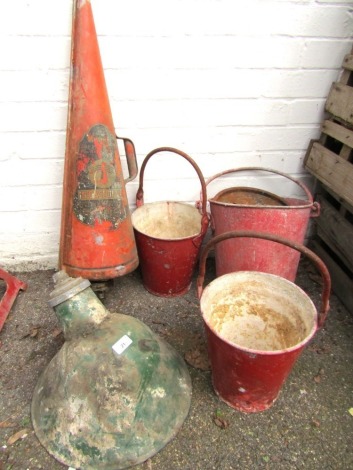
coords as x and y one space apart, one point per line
257 325
13 286
168 237
115 394
289 220
249 197
97 239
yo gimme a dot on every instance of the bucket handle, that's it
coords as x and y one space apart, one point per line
139 194
318 263
130 154
315 211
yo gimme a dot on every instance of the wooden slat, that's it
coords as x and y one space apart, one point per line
337 232
342 283
332 170
339 102
338 132
348 62
345 209
347 67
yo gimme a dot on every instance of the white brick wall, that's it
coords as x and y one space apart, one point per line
231 83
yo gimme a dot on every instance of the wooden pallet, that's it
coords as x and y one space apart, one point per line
342 282
335 227
340 98
333 243
330 160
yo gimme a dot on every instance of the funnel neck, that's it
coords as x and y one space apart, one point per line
76 306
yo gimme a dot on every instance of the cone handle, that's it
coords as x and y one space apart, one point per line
130 154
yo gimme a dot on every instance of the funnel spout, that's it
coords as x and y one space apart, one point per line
77 308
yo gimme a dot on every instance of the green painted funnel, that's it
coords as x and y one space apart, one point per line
115 394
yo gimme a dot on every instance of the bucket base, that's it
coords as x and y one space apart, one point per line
168 294
246 406
101 274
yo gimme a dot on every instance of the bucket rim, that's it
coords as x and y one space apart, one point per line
307 205
179 203
251 351
251 190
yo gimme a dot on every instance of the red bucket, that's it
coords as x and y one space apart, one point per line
168 237
254 209
257 324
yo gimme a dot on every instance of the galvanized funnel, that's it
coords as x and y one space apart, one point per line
115 394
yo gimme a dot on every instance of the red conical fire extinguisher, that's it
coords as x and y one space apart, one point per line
97 239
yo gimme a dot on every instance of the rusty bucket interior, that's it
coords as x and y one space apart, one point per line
167 220
258 311
249 197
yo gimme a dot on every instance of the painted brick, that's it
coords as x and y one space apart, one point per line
22 222
255 18
306 111
25 198
36 18
34 85
17 172
29 251
36 53
197 84
35 116
206 52
318 53
204 113
33 145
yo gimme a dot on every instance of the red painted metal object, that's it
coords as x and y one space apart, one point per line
246 377
97 240
286 217
168 237
13 286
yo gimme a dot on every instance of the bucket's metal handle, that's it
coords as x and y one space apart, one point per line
130 154
319 264
139 194
315 210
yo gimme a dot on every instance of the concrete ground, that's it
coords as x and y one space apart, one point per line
310 426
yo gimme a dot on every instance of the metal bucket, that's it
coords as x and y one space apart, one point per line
257 324
168 237
258 210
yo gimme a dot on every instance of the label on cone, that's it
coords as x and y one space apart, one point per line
97 198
